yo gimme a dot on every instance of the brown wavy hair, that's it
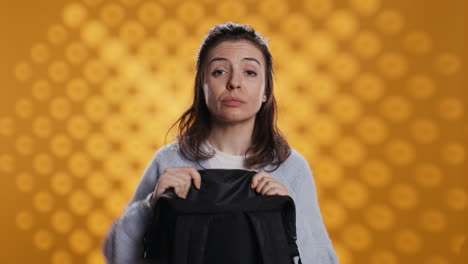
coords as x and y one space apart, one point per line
269 145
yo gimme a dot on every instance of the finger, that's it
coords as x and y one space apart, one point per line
175 183
273 191
161 186
278 191
186 182
273 187
166 181
184 194
177 179
258 177
180 188
262 184
194 175
186 188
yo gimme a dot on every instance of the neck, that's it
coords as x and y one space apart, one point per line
232 138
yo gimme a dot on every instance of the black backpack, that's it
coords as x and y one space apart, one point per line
226 221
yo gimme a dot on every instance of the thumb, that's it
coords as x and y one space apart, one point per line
255 180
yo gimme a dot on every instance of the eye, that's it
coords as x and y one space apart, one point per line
217 72
251 73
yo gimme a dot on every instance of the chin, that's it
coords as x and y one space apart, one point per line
235 118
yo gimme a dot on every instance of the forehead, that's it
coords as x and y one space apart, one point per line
236 48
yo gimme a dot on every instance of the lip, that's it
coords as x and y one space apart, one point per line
232 102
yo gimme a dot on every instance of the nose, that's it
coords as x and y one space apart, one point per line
234 82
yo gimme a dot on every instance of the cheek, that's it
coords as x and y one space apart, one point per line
206 93
258 92
210 94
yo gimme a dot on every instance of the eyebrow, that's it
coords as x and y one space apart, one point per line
224 59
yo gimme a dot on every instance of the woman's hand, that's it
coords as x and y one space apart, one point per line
180 178
265 184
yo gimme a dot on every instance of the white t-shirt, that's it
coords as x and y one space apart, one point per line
223 160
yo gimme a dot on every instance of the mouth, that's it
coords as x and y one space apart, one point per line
232 102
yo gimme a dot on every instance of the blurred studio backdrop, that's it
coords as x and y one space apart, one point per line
371 92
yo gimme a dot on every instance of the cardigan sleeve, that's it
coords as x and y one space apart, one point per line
313 241
124 240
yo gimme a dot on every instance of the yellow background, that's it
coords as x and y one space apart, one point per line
371 92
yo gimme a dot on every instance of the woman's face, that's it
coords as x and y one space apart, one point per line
234 82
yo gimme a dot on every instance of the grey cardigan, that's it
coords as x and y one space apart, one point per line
124 240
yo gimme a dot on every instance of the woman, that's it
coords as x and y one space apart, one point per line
231 124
